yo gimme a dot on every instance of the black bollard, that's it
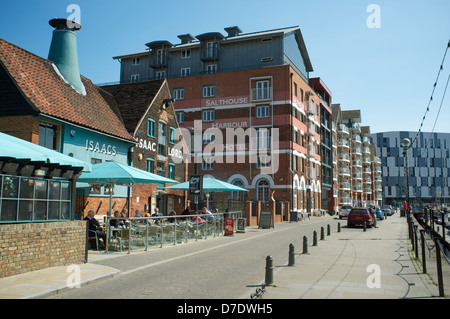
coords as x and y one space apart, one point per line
314 238
422 240
415 242
291 255
305 245
322 233
339 227
269 270
364 226
328 230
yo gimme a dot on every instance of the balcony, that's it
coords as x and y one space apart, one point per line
343 129
357 176
343 158
209 52
344 186
345 201
343 143
310 108
357 163
356 139
311 129
357 188
356 150
344 171
366 140
261 94
367 190
366 160
158 60
366 150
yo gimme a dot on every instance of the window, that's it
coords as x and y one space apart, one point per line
48 134
178 94
208 91
180 117
211 49
208 163
262 139
160 57
185 54
162 138
135 78
172 135
263 90
25 199
262 191
160 74
208 116
161 171
185 71
150 165
262 111
263 161
151 130
171 171
238 196
211 68
208 138
135 61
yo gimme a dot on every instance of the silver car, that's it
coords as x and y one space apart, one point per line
344 211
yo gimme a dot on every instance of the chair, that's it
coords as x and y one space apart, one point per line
167 230
93 235
124 235
154 232
182 232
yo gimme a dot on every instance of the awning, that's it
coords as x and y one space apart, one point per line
13 148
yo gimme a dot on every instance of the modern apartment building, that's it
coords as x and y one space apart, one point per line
258 83
427 166
357 170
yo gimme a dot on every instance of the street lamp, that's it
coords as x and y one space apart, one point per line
406 144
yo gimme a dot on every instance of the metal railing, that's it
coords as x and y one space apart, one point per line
434 246
141 233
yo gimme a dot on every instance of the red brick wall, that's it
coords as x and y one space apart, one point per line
33 246
25 127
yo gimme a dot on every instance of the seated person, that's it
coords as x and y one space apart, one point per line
94 226
196 219
119 223
210 216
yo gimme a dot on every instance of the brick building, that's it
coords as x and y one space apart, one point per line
259 83
149 116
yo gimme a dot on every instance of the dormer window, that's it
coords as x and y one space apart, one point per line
135 61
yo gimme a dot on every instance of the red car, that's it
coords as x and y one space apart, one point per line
359 216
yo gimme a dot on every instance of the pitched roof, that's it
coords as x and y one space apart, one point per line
133 100
47 92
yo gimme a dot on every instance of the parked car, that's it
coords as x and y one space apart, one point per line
380 214
360 216
389 210
344 211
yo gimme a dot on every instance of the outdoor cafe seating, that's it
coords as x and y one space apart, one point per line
142 233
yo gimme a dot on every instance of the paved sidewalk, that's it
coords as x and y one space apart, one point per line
336 268
344 266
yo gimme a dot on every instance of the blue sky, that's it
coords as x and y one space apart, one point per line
388 72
